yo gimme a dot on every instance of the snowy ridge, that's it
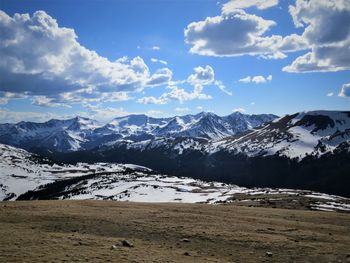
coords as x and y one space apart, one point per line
304 134
294 136
21 172
83 134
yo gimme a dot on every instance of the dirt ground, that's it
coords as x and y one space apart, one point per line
85 231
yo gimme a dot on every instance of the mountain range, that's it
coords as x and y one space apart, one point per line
82 133
305 150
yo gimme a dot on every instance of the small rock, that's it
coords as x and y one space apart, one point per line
186 240
113 247
187 254
269 254
126 243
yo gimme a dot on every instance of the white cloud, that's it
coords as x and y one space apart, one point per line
176 94
222 87
237 33
47 102
182 95
89 95
330 94
345 91
206 76
239 4
7 116
326 35
153 100
160 77
327 32
199 108
156 60
155 48
256 79
123 59
103 114
6 96
276 55
241 110
182 110
202 76
40 58
247 79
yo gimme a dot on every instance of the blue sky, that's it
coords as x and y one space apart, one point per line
30 89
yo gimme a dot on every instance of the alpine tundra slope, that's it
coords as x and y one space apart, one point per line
26 176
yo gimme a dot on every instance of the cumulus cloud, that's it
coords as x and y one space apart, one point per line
237 33
182 95
325 38
206 76
40 58
177 94
6 96
47 102
160 77
153 100
345 91
239 4
202 76
155 48
156 60
256 79
330 94
327 32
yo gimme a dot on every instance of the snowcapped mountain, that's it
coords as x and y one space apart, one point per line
83 133
59 135
297 136
300 135
305 150
27 176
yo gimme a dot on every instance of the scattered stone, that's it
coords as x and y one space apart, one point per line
187 254
186 240
113 247
126 243
269 254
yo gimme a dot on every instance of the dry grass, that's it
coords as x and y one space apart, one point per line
72 231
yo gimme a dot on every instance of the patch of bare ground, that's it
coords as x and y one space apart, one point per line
93 231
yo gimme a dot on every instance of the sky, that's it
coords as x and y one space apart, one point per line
102 58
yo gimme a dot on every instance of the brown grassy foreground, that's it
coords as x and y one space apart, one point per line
57 231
